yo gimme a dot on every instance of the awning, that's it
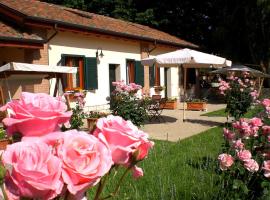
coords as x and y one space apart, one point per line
14 67
189 58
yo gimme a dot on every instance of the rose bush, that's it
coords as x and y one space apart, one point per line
35 114
239 94
124 102
245 165
46 165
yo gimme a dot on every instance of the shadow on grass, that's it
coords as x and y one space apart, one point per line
204 122
162 119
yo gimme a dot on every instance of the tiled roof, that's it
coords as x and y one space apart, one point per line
9 32
36 10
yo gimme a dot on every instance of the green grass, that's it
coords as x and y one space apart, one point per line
222 113
181 170
216 113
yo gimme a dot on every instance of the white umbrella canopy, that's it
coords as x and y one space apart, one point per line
241 68
187 57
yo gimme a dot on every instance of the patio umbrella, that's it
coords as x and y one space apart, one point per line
242 68
188 58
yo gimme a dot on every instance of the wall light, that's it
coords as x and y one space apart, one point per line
100 54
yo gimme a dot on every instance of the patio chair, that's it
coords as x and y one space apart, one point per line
155 108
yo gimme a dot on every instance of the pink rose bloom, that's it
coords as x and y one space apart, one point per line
244 155
251 165
266 102
35 114
238 144
229 135
85 160
266 168
124 139
137 172
36 172
266 130
255 121
225 161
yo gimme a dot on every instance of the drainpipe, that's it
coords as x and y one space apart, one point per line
150 50
54 34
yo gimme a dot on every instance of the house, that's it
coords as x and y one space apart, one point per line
104 49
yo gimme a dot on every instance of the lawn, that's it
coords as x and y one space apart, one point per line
181 170
222 113
186 169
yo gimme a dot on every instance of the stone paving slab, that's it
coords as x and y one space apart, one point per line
174 129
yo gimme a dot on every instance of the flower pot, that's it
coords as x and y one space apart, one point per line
196 105
172 105
91 124
4 143
214 85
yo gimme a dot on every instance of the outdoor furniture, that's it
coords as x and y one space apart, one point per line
155 108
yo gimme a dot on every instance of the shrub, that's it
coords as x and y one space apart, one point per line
246 164
125 103
239 94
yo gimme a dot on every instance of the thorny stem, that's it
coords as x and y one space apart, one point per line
101 186
118 185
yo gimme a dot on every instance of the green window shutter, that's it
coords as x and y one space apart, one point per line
139 73
152 75
63 63
90 73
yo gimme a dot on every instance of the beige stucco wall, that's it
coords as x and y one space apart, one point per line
115 52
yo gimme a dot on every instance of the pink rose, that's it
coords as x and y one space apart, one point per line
266 102
266 130
256 121
225 161
36 172
229 135
35 114
238 144
124 139
251 165
137 172
266 168
244 155
85 160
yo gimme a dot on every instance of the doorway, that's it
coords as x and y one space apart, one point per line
112 76
166 81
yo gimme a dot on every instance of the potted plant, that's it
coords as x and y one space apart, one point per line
170 103
159 89
196 104
4 140
92 118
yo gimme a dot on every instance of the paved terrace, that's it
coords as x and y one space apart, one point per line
175 129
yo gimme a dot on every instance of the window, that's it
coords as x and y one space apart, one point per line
130 71
154 75
135 72
75 80
87 74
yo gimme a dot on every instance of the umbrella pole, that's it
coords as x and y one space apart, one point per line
260 86
184 101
